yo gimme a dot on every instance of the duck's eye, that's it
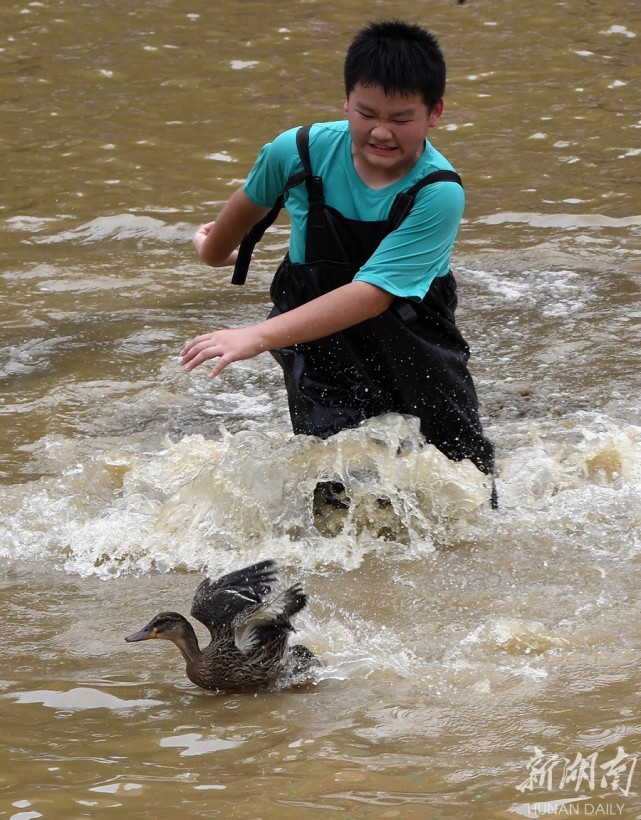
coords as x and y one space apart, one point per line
165 622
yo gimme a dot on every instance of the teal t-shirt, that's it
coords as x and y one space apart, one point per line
408 258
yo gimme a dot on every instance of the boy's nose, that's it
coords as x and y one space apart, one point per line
382 132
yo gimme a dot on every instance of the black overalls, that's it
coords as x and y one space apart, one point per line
411 359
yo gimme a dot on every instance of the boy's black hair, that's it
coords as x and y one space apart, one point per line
399 57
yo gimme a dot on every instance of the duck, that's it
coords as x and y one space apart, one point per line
250 631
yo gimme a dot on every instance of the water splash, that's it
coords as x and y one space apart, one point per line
202 504
192 503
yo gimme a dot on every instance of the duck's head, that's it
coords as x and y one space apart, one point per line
168 625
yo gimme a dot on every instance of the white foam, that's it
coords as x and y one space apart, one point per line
196 501
82 698
182 505
121 227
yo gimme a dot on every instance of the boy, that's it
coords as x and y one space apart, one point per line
363 318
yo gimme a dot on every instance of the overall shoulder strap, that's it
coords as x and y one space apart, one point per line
253 236
302 144
314 184
404 201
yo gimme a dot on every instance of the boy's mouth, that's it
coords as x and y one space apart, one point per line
385 149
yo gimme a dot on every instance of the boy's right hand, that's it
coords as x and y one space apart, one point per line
200 236
198 241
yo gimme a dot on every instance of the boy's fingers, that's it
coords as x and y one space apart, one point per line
223 360
221 364
203 356
192 346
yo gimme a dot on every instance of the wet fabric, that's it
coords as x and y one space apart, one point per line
406 260
411 359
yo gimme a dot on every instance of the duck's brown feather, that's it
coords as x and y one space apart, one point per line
217 602
249 646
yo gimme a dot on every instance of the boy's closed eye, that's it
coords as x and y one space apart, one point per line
393 120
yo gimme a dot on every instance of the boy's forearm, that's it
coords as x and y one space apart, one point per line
328 314
324 316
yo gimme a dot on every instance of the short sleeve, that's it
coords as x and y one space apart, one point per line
412 256
276 162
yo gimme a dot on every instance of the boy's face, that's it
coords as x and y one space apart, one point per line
388 132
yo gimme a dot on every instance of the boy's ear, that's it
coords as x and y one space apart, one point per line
436 112
345 105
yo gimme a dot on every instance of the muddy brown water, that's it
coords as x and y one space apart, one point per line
476 663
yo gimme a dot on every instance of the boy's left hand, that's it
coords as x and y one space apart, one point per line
227 346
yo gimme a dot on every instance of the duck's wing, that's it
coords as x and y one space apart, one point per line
217 603
267 619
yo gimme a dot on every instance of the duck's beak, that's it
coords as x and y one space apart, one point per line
145 634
